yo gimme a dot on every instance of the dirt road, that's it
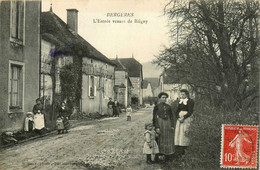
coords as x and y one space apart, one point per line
110 143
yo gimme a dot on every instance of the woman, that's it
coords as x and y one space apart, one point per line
110 105
38 112
183 115
116 109
163 120
63 114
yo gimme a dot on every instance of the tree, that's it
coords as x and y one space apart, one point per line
216 51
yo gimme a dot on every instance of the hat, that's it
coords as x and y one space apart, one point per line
163 93
148 124
29 113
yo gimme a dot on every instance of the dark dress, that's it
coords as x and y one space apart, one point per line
116 109
110 106
63 113
164 120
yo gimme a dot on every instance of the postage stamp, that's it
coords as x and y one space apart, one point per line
239 146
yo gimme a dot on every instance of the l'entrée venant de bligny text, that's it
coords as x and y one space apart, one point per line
115 18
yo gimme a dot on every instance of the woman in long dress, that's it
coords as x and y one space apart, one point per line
116 109
183 115
163 120
38 111
237 142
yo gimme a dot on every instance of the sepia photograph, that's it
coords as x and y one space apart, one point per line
129 84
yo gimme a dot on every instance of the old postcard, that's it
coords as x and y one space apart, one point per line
133 84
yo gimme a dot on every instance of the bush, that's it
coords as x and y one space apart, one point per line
205 134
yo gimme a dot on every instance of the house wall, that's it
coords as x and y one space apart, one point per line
121 78
104 86
46 59
27 55
137 90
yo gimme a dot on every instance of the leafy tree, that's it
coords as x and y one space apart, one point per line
215 49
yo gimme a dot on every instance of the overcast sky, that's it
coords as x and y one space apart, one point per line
122 39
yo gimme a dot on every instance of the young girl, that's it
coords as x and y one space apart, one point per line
63 114
128 113
150 145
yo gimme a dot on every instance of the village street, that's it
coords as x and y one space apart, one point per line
111 143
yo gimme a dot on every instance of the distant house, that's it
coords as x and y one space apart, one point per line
123 85
135 72
19 61
95 72
147 89
168 85
154 84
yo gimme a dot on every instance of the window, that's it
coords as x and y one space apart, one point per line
92 87
15 87
17 21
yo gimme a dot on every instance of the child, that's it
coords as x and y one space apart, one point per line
150 145
29 122
63 114
128 113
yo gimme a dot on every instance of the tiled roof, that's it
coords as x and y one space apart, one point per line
134 67
54 30
119 65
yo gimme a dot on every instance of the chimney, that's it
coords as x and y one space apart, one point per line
72 19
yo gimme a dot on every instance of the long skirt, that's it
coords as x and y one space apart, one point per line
110 111
116 111
66 123
166 137
181 130
39 121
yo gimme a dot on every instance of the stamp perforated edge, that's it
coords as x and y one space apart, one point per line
221 153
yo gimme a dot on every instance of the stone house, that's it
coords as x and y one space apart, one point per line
95 73
19 61
135 72
123 85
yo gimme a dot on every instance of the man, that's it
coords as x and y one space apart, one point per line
163 120
110 106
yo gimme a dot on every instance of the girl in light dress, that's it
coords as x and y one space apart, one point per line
128 113
150 145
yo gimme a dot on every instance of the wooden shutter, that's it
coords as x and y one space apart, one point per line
14 19
21 19
89 85
95 87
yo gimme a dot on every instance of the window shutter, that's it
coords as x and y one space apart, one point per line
13 19
21 19
95 87
89 85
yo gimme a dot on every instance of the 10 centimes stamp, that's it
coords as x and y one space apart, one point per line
239 146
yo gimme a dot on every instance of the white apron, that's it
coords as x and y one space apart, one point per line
181 130
38 121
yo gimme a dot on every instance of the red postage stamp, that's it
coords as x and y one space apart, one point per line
239 146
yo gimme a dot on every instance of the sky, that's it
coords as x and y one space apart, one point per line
143 41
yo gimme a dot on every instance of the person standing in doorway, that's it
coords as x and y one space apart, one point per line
163 120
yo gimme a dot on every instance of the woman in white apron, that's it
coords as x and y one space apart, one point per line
38 116
184 118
